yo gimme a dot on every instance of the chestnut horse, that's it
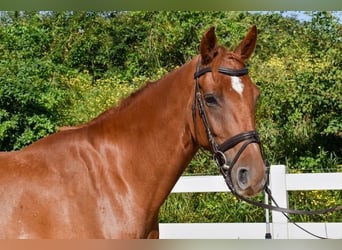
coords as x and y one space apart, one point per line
108 178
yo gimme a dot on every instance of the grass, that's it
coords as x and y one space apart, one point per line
225 208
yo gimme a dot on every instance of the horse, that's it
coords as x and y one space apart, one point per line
108 178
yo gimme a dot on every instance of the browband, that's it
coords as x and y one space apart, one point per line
223 70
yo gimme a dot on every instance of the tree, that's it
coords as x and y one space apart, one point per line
300 106
30 95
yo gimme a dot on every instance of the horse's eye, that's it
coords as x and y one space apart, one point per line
210 100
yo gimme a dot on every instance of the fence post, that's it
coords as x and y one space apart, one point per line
279 192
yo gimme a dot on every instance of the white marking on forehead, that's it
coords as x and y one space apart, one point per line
237 85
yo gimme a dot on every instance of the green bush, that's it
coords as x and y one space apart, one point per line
29 102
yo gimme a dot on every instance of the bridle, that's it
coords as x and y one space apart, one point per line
218 150
247 138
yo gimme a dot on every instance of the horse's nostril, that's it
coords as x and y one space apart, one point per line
243 178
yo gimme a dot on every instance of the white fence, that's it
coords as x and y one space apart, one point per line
280 183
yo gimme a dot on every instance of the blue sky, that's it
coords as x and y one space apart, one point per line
303 16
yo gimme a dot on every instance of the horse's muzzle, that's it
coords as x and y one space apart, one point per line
246 183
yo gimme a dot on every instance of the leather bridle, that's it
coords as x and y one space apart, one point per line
247 138
218 150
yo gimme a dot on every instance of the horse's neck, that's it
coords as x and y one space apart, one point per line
154 133
158 118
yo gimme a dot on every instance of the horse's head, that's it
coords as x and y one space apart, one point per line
224 112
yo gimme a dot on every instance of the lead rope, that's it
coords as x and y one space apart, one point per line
268 233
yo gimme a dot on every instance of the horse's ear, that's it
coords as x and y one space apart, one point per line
247 45
208 46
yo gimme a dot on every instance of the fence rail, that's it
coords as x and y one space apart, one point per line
280 228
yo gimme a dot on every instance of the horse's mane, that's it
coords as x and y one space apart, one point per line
132 97
122 105
137 93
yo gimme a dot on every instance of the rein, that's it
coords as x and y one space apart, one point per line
246 137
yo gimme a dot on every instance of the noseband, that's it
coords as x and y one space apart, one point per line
218 150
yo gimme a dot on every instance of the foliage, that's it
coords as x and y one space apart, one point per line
209 207
64 68
300 107
30 94
316 200
91 98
